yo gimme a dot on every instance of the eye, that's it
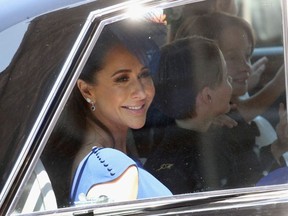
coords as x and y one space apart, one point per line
122 78
145 73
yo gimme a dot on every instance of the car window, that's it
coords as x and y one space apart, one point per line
258 13
214 102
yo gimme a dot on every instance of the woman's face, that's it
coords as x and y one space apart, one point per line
236 48
221 94
124 90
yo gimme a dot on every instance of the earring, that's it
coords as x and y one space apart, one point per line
92 104
93 107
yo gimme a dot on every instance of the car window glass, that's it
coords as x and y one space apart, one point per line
233 151
259 12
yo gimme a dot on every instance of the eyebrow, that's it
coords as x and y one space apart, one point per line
127 71
121 71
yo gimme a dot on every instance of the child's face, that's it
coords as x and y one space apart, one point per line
221 95
236 48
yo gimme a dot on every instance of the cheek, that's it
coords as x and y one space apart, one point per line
229 89
152 91
226 94
226 99
231 69
113 97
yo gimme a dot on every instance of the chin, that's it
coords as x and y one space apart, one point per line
137 126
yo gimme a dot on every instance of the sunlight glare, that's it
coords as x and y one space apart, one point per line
137 12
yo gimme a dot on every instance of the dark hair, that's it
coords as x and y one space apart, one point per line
77 107
186 66
212 25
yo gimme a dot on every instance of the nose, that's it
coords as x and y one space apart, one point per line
246 66
138 90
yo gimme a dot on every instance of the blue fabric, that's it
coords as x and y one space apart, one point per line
278 176
106 164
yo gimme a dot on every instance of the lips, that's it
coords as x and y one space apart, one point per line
135 109
240 80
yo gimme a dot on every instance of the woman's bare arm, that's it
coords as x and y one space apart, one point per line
123 188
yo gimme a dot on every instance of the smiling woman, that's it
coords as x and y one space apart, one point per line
113 94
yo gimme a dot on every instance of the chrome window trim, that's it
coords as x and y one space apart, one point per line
202 202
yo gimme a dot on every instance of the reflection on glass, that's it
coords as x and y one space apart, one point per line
242 146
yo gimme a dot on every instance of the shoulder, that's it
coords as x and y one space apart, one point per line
103 165
108 160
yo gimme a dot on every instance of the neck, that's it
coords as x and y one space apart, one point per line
197 124
201 120
120 138
115 139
